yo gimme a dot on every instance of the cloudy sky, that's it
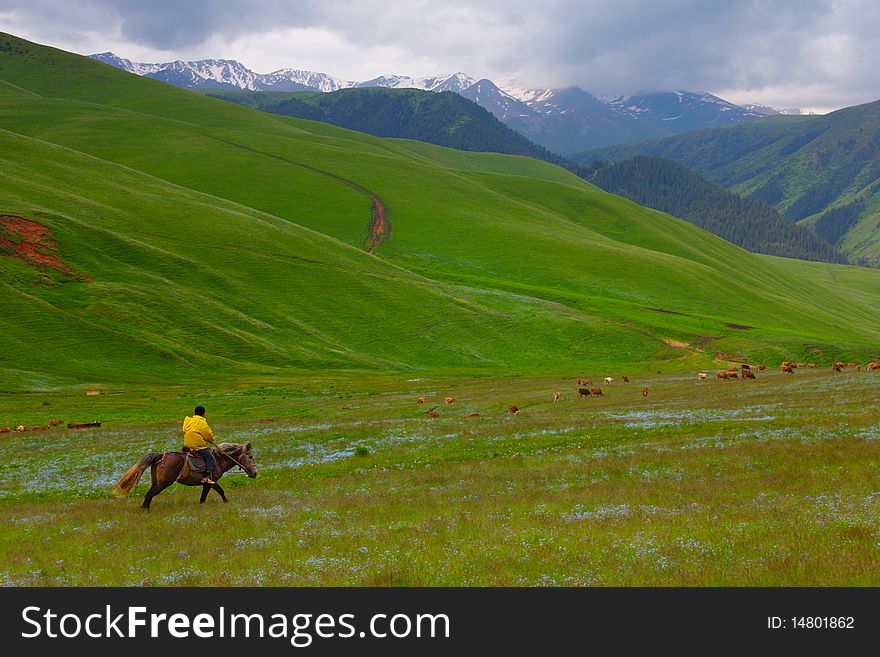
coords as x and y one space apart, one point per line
813 54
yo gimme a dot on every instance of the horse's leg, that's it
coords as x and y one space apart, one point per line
162 482
206 488
220 492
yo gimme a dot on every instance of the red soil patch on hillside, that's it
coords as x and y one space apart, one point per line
31 241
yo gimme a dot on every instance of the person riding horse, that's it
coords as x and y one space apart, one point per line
199 438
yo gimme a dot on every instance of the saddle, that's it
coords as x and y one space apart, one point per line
193 461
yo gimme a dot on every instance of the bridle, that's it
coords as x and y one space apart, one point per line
227 455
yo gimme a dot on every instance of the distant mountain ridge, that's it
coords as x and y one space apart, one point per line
565 121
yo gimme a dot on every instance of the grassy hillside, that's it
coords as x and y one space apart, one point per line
807 167
197 238
445 118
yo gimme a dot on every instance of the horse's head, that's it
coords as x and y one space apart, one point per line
243 455
247 461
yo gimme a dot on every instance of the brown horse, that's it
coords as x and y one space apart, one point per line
174 466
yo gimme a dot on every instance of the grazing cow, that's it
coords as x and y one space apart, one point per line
473 415
873 366
732 375
556 396
433 413
449 400
837 367
39 428
583 392
761 368
608 379
702 376
20 429
421 400
5 429
86 425
745 367
585 382
722 375
55 423
596 391
512 409
748 374
644 392
811 366
788 368
626 379
801 365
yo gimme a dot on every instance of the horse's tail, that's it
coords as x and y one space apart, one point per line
131 478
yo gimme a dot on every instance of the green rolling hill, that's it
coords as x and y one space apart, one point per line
445 118
822 170
184 237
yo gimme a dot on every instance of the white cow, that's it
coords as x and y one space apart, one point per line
609 379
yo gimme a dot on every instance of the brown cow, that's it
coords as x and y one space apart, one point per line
626 379
5 429
39 428
748 374
873 366
761 368
583 392
787 368
644 392
722 375
837 366
596 391
811 366
433 413
512 409
585 382
421 400
732 375
86 425
449 400
556 396
55 423
93 393
473 415
745 367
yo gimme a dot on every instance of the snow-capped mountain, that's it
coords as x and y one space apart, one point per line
487 95
764 110
226 74
456 82
566 120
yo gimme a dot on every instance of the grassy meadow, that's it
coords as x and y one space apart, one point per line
766 482
167 249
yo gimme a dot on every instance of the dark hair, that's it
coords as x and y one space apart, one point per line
200 410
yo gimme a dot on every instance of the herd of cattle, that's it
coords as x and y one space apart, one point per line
585 387
51 424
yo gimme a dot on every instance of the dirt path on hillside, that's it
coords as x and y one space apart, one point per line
379 228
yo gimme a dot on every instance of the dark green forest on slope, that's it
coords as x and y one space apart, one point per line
747 222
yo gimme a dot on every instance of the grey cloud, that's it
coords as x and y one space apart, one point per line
811 46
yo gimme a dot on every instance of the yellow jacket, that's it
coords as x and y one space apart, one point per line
196 433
